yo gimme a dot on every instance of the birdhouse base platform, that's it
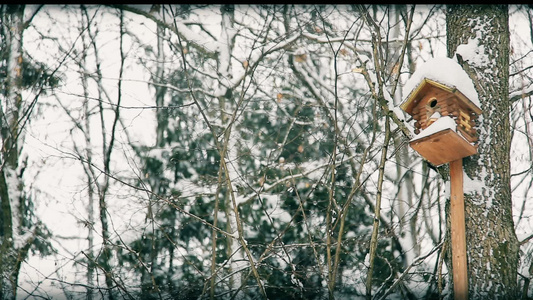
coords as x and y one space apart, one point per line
443 147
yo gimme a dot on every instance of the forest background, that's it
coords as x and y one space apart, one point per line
206 151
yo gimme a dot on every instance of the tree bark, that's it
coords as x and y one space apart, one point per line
492 246
10 182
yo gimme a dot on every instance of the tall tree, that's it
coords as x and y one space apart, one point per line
492 245
94 134
10 181
19 230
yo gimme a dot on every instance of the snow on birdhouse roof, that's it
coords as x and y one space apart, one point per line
445 71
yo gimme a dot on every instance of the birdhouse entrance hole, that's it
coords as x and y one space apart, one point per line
432 111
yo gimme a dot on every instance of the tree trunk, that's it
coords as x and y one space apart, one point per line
492 246
10 182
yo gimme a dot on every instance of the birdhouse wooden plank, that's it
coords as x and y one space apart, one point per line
431 101
443 147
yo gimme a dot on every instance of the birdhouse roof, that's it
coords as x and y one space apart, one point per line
425 86
442 73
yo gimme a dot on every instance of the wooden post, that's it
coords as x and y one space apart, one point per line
457 217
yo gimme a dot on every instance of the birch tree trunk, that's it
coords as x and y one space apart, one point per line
11 253
492 246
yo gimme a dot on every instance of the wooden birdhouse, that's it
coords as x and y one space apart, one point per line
444 122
